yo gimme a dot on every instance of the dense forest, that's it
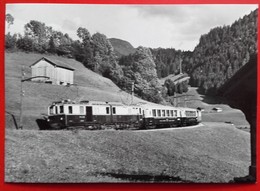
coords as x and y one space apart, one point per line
222 51
219 54
216 58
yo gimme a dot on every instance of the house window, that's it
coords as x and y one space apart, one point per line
70 109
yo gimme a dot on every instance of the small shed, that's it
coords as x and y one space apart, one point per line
217 109
57 72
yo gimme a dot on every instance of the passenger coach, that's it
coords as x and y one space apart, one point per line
160 116
67 113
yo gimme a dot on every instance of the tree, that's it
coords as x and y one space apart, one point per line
25 44
37 31
9 19
84 35
169 84
52 47
10 41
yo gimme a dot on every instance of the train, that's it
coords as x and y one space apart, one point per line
67 114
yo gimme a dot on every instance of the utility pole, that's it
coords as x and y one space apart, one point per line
180 66
132 92
21 98
23 79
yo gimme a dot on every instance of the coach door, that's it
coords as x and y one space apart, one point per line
89 114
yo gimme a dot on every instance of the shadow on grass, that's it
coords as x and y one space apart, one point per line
211 99
14 119
146 178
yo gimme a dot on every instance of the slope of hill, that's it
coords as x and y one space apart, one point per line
211 153
222 52
218 56
121 47
90 86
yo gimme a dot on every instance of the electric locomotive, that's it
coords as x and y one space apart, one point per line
92 114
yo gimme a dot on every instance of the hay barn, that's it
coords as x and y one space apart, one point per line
57 72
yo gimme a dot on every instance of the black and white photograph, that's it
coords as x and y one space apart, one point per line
110 93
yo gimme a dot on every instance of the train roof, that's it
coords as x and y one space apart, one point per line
86 102
157 106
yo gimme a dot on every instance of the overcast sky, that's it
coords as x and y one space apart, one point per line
166 26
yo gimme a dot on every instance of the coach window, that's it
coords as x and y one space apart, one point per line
56 109
61 109
171 112
163 113
168 113
81 109
159 112
154 112
107 110
140 111
114 110
175 112
70 109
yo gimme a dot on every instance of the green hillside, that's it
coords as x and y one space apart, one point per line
90 86
211 153
121 47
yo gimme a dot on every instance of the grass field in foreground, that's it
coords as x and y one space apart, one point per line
211 153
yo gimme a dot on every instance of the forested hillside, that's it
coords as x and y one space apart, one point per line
121 47
216 58
222 51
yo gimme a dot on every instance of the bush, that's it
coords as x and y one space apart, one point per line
25 44
10 41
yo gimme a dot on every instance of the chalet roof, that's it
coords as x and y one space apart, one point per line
56 63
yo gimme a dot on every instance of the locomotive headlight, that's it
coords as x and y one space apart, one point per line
48 119
61 118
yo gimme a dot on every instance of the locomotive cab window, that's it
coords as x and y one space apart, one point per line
61 109
107 110
51 109
56 109
70 109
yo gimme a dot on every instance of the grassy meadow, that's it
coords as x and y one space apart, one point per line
210 153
